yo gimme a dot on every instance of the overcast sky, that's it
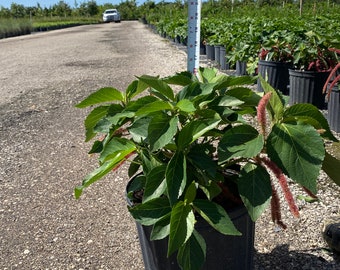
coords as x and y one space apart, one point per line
48 3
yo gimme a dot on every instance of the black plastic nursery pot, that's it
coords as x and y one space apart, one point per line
223 251
241 68
223 61
210 51
276 74
306 87
217 54
333 115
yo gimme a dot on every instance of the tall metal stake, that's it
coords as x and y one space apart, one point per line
194 31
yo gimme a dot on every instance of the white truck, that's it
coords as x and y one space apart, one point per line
111 15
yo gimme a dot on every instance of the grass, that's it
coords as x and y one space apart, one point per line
17 27
14 27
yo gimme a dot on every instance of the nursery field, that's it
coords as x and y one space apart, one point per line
44 157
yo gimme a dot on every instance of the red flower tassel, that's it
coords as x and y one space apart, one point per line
261 112
284 185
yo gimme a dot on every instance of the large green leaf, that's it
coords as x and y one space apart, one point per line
298 150
191 256
248 96
150 212
240 141
107 94
216 216
182 78
92 119
98 173
139 129
176 176
159 85
199 158
255 189
155 183
115 147
310 114
181 226
195 129
331 166
162 129
156 106
185 105
135 88
161 228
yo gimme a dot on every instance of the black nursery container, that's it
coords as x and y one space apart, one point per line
276 74
306 87
210 51
224 252
333 115
241 68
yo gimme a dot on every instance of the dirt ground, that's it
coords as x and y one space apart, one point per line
43 156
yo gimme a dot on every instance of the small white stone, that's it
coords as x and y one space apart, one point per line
26 251
90 241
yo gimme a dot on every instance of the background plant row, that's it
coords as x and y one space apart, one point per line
245 31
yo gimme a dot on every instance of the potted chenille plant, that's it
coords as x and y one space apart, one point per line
201 152
313 62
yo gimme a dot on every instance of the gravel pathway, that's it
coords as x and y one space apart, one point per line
43 156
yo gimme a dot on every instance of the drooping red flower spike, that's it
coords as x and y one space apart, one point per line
261 112
282 178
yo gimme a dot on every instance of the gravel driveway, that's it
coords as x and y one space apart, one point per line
43 156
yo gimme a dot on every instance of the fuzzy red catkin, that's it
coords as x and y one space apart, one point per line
261 112
276 209
284 185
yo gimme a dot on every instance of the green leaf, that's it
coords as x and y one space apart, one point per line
135 88
162 129
255 189
97 147
117 147
97 174
191 256
331 166
92 119
139 129
276 103
150 212
240 141
229 101
199 158
107 94
157 106
309 114
181 226
186 105
190 193
195 129
216 216
159 85
299 151
176 176
248 96
155 183
182 78
161 228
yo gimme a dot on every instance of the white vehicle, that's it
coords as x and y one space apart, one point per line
111 15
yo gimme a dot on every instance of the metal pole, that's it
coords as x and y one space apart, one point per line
194 31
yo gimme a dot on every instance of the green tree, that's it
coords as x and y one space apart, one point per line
17 11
